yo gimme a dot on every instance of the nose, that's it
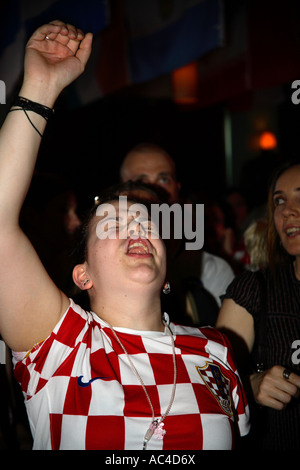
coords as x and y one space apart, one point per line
136 229
291 208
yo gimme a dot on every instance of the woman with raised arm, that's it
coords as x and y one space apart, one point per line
121 376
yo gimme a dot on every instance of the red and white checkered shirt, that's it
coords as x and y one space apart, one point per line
81 393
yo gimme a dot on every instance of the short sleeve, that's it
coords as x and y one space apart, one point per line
245 290
34 369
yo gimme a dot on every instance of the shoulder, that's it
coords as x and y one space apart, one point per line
249 279
69 327
216 273
34 369
205 341
215 263
247 289
213 266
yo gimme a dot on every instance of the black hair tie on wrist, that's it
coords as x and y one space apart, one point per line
24 104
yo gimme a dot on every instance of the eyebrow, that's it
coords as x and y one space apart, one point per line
140 175
280 191
162 173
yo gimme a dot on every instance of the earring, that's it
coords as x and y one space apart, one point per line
166 288
85 282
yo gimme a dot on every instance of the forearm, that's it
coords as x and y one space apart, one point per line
19 145
56 54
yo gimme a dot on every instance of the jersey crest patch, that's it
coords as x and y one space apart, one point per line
217 384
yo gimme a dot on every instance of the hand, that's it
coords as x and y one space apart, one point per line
271 389
56 54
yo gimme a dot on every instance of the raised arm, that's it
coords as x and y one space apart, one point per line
30 303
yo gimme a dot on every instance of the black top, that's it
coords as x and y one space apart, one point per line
259 292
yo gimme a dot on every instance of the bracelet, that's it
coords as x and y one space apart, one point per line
26 105
38 108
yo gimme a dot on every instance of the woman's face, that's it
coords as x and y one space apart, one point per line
286 198
124 249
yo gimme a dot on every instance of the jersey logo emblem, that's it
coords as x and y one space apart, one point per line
86 384
217 384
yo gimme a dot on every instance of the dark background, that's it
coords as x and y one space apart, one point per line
86 144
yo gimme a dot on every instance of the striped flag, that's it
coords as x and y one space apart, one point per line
150 38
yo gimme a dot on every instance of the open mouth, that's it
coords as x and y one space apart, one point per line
140 246
292 231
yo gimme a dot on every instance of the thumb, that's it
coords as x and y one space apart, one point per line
85 49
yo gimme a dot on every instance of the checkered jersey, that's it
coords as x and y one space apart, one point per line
81 393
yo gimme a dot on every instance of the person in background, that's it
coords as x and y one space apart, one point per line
239 208
260 315
255 239
191 271
219 233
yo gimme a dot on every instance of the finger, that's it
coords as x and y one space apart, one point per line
75 33
50 29
273 397
275 404
294 379
284 396
289 386
69 36
85 49
67 31
58 29
70 30
65 36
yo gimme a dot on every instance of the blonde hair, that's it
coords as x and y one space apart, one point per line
255 239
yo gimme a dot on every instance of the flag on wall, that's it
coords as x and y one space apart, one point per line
150 38
164 35
134 40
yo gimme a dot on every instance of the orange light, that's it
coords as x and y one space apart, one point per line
267 141
185 83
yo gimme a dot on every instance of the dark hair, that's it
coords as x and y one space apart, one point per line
277 255
131 189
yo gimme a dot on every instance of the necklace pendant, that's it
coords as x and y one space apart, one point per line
157 427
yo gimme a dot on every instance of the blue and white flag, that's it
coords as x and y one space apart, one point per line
164 35
134 40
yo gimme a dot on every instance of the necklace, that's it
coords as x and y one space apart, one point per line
156 425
